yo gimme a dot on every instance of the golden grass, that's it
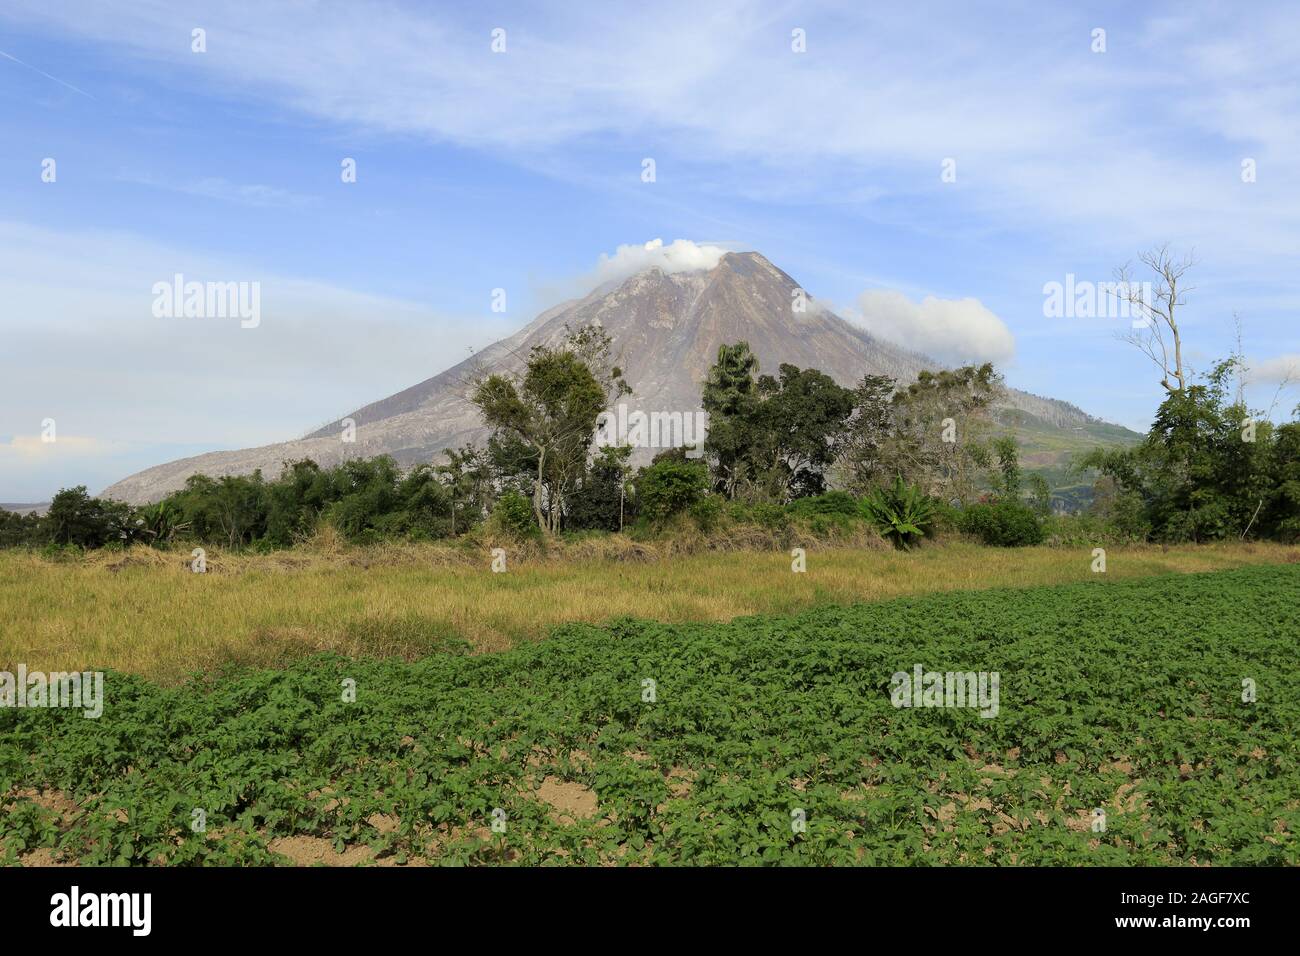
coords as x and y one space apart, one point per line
144 612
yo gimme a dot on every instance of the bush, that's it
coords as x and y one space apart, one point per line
1003 524
19 530
831 503
1078 531
669 487
707 512
740 512
946 520
595 506
825 525
901 513
513 515
770 516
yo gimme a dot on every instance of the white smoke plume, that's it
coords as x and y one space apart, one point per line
954 331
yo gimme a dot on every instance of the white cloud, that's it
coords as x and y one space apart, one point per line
219 188
33 448
90 354
954 331
863 106
1275 371
681 255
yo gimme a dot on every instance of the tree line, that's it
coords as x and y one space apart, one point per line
905 457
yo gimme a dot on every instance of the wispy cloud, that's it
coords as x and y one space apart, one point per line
34 448
1042 129
1283 369
223 190
680 255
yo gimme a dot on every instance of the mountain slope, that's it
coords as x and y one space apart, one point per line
666 329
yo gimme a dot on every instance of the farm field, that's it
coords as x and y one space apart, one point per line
656 743
143 612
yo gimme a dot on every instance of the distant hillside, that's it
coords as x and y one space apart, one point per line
1048 449
666 327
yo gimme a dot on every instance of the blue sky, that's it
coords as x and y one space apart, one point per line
518 170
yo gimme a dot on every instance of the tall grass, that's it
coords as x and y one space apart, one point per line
143 611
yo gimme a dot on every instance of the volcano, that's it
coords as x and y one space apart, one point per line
666 328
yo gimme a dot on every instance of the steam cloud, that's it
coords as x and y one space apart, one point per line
955 331
682 255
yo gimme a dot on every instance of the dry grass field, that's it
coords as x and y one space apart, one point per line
142 611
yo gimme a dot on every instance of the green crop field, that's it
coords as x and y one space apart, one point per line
763 740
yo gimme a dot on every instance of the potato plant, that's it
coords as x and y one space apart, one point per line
765 740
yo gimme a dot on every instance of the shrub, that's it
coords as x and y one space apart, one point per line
513 515
595 506
1004 524
901 513
669 487
831 503
1077 531
946 520
771 516
740 512
707 512
19 530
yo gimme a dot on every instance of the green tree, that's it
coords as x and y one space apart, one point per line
74 517
861 462
1282 517
1008 481
939 431
296 500
799 426
467 476
552 410
601 502
19 530
367 498
772 438
1208 469
729 396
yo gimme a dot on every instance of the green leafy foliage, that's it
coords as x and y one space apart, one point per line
901 513
670 485
1210 468
513 515
1121 695
707 512
1003 524
550 411
75 518
830 503
771 438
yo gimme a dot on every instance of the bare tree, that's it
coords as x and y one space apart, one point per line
1155 305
